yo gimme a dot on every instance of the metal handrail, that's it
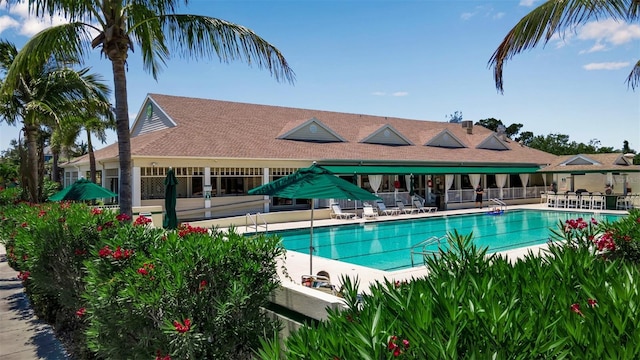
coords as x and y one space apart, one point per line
254 222
423 245
502 204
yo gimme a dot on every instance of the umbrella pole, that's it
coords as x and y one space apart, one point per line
311 243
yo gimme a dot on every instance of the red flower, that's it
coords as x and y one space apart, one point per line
592 302
123 217
576 309
42 213
24 275
203 284
143 271
142 221
24 224
182 328
405 342
105 251
160 357
96 211
397 352
81 312
99 228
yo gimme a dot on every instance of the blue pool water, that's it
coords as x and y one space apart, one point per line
387 245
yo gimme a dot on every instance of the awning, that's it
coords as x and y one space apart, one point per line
423 170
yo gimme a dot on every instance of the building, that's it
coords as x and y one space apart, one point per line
222 149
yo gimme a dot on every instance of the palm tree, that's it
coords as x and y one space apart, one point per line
37 98
157 31
94 119
555 17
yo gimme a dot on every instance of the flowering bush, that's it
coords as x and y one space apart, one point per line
567 303
182 294
120 290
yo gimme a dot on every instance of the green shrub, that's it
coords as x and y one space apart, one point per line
188 294
565 304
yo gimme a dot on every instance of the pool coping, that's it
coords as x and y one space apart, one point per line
295 264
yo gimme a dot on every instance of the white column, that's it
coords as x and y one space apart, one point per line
207 185
135 186
265 179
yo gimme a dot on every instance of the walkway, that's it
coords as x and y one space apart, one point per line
22 335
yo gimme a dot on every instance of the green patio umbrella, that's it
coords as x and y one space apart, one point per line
170 218
82 189
314 182
412 190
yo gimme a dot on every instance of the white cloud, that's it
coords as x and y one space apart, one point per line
606 66
527 3
499 15
610 32
595 48
400 93
7 22
25 23
378 93
467 15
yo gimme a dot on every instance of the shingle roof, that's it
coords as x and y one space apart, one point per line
603 163
222 129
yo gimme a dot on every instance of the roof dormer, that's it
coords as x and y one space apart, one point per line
493 142
387 135
446 139
312 130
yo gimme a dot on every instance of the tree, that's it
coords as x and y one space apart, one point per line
456 117
493 124
37 98
158 33
555 17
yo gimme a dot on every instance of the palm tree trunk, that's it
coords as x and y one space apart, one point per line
55 170
92 158
31 133
122 130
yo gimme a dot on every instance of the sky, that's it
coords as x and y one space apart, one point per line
416 59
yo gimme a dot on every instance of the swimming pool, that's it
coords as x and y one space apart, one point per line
387 245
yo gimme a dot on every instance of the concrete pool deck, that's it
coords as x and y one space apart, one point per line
297 264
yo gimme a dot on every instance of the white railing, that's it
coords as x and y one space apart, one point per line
252 222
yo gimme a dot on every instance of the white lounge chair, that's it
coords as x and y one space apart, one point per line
382 209
369 212
404 209
424 209
337 213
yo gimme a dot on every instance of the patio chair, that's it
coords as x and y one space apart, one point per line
406 210
337 213
382 209
585 201
598 202
624 202
424 209
319 282
369 212
572 201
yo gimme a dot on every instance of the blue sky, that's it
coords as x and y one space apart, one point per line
411 59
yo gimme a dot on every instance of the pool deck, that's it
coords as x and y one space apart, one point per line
297 264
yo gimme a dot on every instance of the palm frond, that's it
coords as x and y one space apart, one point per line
65 44
633 80
201 37
554 17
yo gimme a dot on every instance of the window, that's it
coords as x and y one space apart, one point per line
234 181
190 182
98 176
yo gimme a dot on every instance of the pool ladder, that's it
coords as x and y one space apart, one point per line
421 247
252 222
502 204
